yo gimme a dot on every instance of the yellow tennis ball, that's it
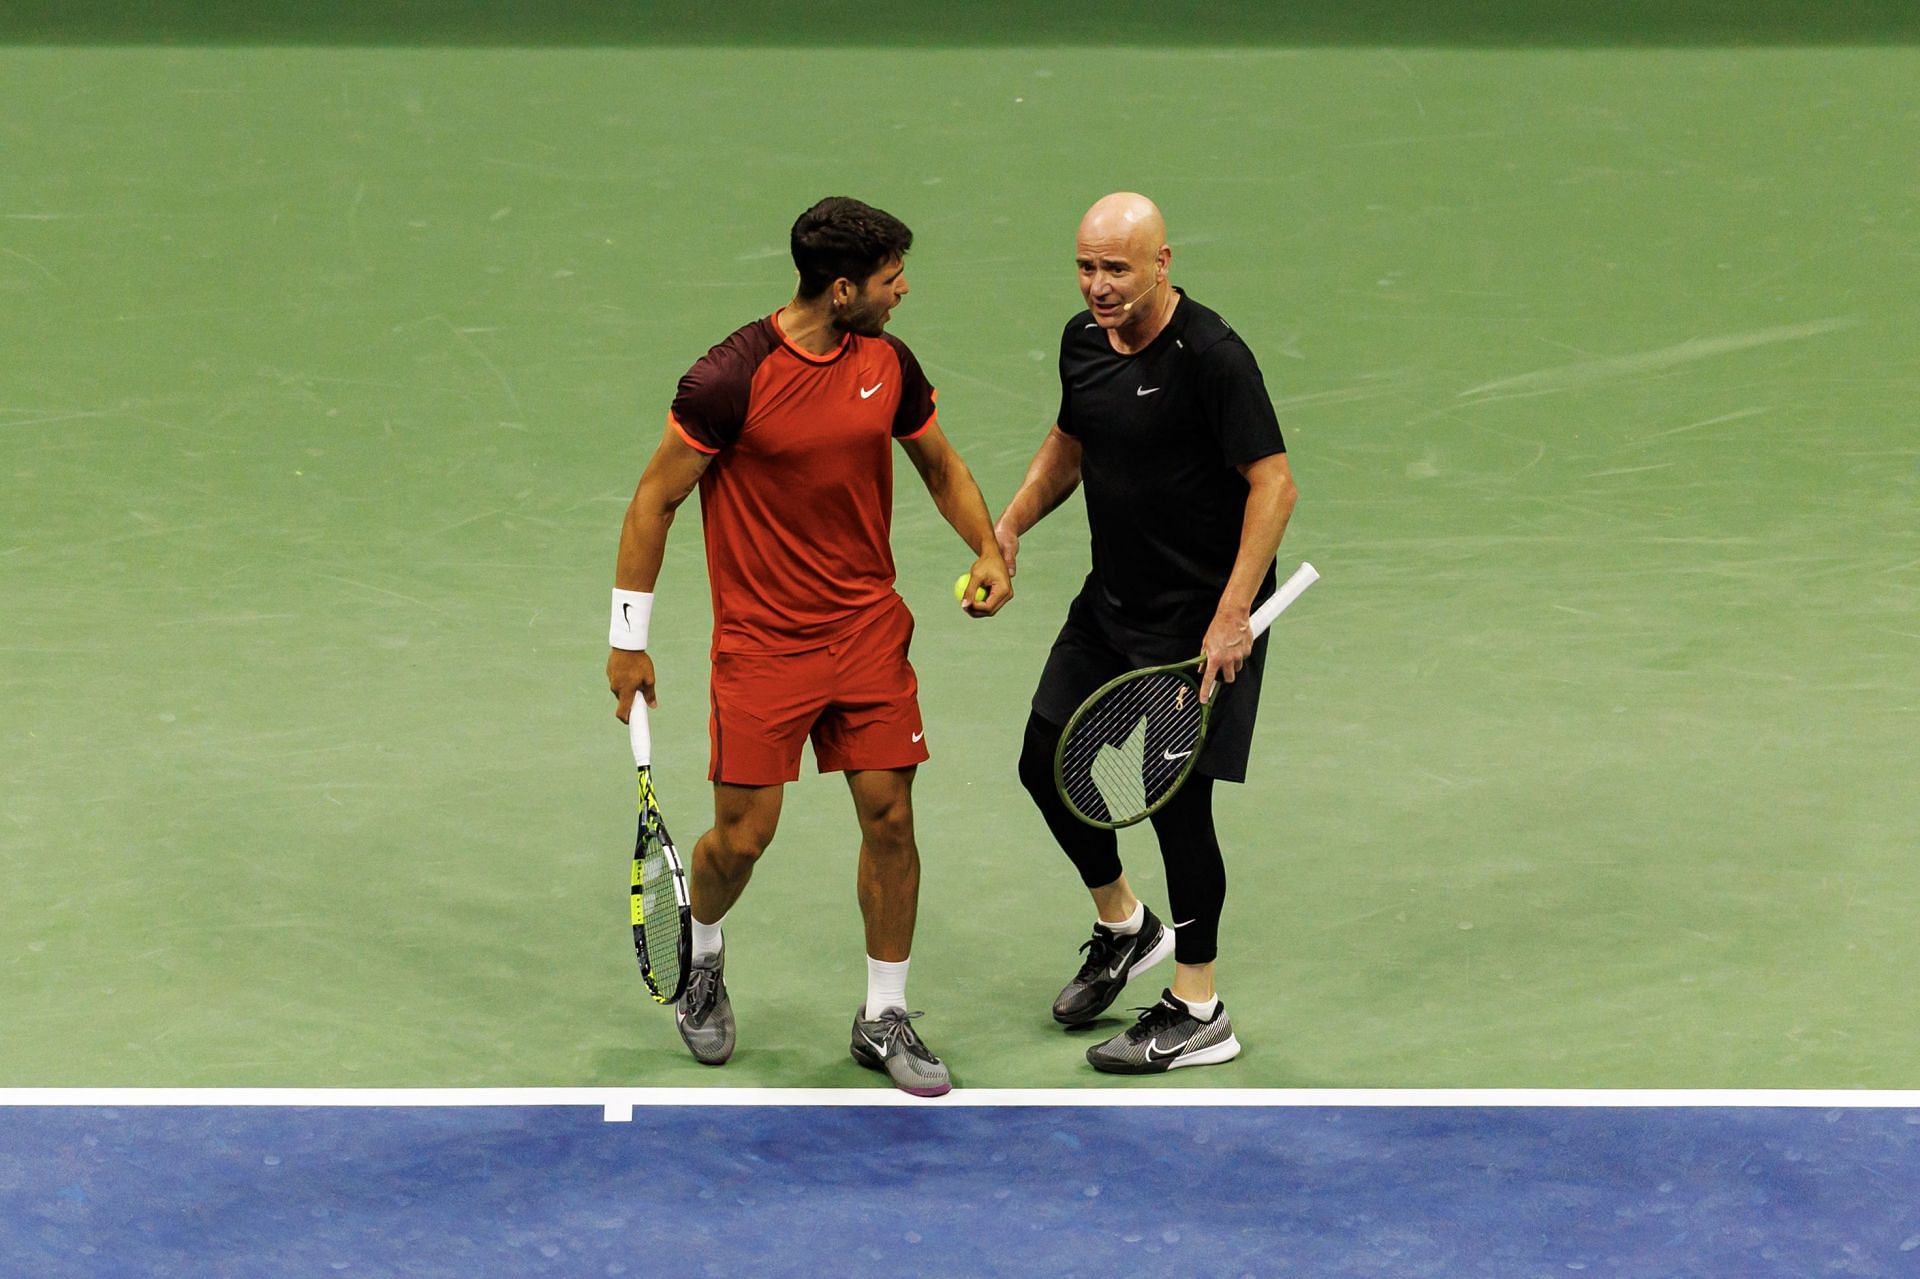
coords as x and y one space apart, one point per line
960 590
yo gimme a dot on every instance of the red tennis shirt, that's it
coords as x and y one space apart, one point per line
797 505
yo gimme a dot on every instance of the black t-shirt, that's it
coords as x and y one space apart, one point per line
1161 433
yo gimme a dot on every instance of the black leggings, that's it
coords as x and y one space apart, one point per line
1196 875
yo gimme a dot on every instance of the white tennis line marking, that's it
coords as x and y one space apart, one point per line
618 1104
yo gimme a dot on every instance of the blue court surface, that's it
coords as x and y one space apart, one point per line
1225 1189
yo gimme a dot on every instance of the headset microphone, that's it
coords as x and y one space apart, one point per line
1127 308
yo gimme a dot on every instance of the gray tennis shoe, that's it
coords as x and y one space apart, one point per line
1112 958
888 1044
705 1014
1167 1036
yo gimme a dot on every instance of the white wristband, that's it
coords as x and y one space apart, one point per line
632 610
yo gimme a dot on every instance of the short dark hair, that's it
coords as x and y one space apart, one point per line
841 237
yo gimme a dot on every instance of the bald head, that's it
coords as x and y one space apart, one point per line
1125 217
1123 258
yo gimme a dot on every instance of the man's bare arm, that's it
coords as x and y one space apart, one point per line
1051 478
1270 498
671 475
958 498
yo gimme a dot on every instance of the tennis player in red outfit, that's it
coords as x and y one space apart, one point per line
787 429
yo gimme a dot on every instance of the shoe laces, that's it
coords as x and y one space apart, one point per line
703 991
896 1027
1157 1018
1100 948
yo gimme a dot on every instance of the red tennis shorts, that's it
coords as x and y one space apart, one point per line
857 699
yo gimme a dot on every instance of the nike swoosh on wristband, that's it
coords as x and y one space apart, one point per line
626 614
867 391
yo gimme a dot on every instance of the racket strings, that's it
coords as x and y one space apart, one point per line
1126 751
662 894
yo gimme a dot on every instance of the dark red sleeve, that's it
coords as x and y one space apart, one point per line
710 406
915 413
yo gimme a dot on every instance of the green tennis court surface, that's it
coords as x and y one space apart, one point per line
327 368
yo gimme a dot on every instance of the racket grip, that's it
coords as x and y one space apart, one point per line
1290 590
639 733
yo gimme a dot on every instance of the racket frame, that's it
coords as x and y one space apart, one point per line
1185 670
1262 618
649 809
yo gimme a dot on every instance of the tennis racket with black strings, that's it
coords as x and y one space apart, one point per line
1132 744
662 919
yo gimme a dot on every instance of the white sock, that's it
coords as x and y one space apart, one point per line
886 986
706 939
1201 1010
1132 923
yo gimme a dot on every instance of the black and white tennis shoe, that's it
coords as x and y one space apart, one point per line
1112 958
1167 1036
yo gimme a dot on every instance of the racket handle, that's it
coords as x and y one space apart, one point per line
1290 590
639 733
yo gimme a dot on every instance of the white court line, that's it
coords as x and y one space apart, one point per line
618 1104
